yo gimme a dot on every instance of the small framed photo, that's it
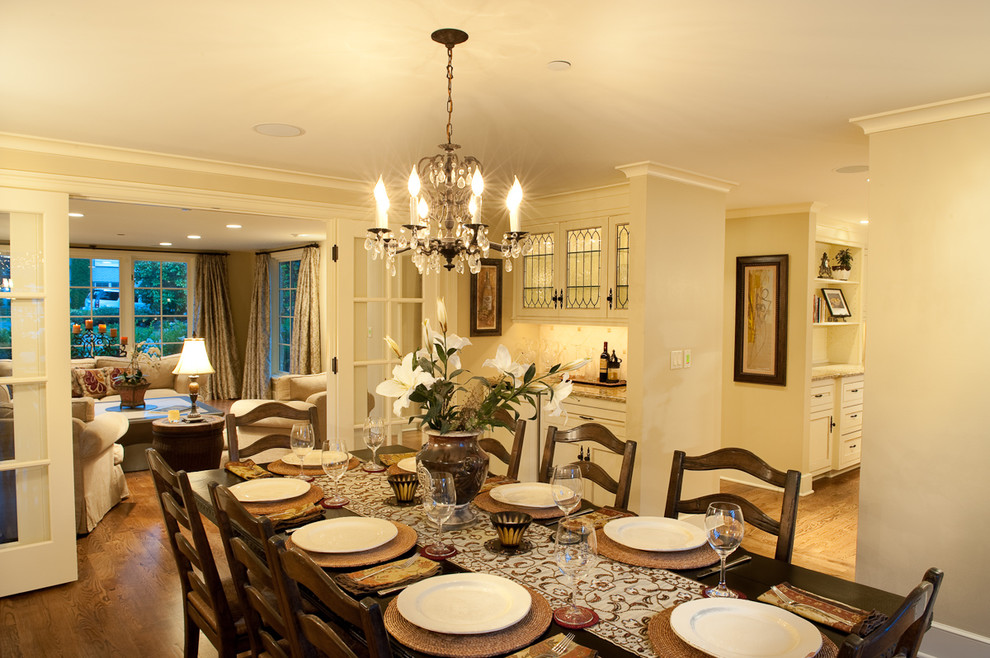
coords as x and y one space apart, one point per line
836 303
486 299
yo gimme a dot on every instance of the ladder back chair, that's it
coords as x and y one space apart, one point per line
902 633
589 470
209 603
270 627
323 635
745 461
278 437
495 448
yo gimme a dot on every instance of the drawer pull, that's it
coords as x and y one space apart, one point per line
853 446
820 395
585 417
854 390
854 416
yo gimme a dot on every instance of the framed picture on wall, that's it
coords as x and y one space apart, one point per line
761 320
486 299
836 303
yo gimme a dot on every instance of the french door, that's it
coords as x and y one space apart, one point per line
37 511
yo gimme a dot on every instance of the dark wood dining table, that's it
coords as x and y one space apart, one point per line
752 578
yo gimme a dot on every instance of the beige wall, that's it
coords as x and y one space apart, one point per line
924 491
771 421
240 278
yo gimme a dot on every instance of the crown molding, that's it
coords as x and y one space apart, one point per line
765 211
920 115
657 170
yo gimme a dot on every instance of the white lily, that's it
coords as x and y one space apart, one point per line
571 366
504 364
405 379
434 341
560 390
442 314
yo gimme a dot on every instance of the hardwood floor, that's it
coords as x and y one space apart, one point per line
126 601
826 526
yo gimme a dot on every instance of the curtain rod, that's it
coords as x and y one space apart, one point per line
302 246
146 251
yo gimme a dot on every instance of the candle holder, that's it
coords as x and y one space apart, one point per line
97 342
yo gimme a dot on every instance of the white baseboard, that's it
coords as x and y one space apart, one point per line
748 480
943 641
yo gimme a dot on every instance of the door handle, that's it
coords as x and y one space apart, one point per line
609 298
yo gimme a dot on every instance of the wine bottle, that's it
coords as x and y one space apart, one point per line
613 367
603 364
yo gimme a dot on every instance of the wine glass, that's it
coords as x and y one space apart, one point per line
335 460
374 436
438 502
576 554
302 443
567 485
725 527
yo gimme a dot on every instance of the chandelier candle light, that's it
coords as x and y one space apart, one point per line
445 194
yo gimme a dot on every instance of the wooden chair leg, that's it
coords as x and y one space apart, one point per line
191 648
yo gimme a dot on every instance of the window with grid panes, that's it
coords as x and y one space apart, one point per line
584 266
5 345
284 298
160 308
94 294
538 272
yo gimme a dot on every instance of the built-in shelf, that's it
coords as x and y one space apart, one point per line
835 324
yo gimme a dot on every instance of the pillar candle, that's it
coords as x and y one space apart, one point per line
76 328
123 340
89 324
102 328
113 332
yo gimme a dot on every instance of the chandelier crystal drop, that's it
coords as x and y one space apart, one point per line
445 200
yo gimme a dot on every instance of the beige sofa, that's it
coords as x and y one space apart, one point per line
163 382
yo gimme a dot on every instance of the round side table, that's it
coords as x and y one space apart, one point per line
189 446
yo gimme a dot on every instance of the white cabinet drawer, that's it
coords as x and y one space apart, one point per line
852 420
822 396
852 392
849 451
589 410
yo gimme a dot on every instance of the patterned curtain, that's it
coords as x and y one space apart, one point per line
304 353
257 357
213 324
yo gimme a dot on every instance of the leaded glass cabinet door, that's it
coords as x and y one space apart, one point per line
538 294
584 273
37 515
617 295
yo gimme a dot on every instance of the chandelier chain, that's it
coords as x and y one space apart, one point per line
450 92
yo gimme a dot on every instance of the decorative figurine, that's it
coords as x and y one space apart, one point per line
825 270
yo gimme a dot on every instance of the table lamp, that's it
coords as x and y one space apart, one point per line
193 362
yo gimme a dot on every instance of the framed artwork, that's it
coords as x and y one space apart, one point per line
761 320
836 303
486 299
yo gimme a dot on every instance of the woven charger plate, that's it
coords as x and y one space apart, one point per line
666 642
391 549
517 636
281 468
695 558
314 495
489 504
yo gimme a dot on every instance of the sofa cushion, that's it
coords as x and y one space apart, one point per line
96 382
302 386
158 373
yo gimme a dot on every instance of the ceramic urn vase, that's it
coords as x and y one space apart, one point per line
460 454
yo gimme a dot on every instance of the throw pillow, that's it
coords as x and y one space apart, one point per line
97 382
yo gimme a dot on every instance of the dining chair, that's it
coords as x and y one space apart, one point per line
740 460
270 627
322 634
495 448
269 424
902 633
209 602
590 470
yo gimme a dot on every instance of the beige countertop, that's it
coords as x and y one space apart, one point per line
837 370
616 393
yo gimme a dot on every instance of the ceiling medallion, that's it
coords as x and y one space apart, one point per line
445 205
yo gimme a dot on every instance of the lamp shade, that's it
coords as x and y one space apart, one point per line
193 360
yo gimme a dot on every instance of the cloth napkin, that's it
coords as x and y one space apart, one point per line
247 469
576 650
395 575
393 459
294 516
817 608
603 515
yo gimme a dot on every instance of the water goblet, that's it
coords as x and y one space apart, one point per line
725 527
438 502
576 554
302 442
567 485
374 437
335 460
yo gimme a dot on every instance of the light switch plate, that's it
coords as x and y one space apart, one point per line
687 358
676 359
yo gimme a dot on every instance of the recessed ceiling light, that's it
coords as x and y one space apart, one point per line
278 130
165 244
233 226
193 237
852 169
864 221
304 235
558 65
76 214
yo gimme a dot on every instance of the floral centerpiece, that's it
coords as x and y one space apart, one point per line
455 408
132 383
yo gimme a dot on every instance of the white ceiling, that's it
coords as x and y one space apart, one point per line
756 92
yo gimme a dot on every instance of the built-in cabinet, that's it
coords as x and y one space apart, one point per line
583 409
575 270
836 424
838 340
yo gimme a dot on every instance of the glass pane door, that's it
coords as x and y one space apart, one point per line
584 268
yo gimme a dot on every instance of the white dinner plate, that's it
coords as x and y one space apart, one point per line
349 534
655 533
735 628
407 464
524 494
464 603
264 490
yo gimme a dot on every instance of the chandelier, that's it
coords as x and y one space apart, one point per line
445 205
